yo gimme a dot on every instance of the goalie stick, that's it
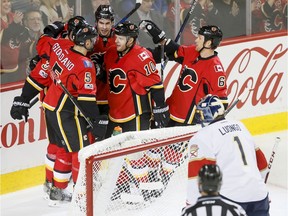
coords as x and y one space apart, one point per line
277 141
73 100
234 103
231 106
137 5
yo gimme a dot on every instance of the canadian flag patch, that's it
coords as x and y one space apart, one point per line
218 68
144 55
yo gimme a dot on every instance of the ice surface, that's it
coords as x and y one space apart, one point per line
30 202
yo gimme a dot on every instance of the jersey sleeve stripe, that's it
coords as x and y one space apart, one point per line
195 165
86 98
34 84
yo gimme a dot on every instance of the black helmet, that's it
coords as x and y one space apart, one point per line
127 29
210 179
104 12
75 22
212 33
83 33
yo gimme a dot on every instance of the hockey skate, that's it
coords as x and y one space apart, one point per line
58 196
46 188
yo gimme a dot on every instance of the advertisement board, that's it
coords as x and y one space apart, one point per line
256 71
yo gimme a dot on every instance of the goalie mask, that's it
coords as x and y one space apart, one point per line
212 33
210 179
209 108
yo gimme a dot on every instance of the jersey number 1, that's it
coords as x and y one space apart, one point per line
237 140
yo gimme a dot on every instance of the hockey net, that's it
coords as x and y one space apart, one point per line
134 173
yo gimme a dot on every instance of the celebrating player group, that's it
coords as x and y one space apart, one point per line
91 79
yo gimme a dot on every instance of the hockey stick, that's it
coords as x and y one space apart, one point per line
277 141
162 62
73 100
34 101
192 7
137 5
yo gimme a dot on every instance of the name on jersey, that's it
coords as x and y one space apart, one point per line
62 57
229 128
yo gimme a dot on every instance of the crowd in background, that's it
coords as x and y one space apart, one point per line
22 22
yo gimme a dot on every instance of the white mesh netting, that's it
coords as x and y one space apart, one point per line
149 182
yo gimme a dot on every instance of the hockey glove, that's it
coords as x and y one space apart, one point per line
33 62
98 61
161 116
99 127
54 29
153 30
19 108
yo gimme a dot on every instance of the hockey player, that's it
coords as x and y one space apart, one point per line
228 144
77 73
37 80
104 17
202 72
54 164
51 32
210 202
134 84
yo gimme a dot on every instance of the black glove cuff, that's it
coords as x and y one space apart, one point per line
158 96
20 101
170 48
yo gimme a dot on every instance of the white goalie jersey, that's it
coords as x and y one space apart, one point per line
230 145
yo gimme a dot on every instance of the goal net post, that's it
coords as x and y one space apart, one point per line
134 173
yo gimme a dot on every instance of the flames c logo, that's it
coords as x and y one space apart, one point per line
188 79
117 80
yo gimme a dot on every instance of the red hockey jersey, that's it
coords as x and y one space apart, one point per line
130 79
100 48
45 44
197 78
40 76
76 72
